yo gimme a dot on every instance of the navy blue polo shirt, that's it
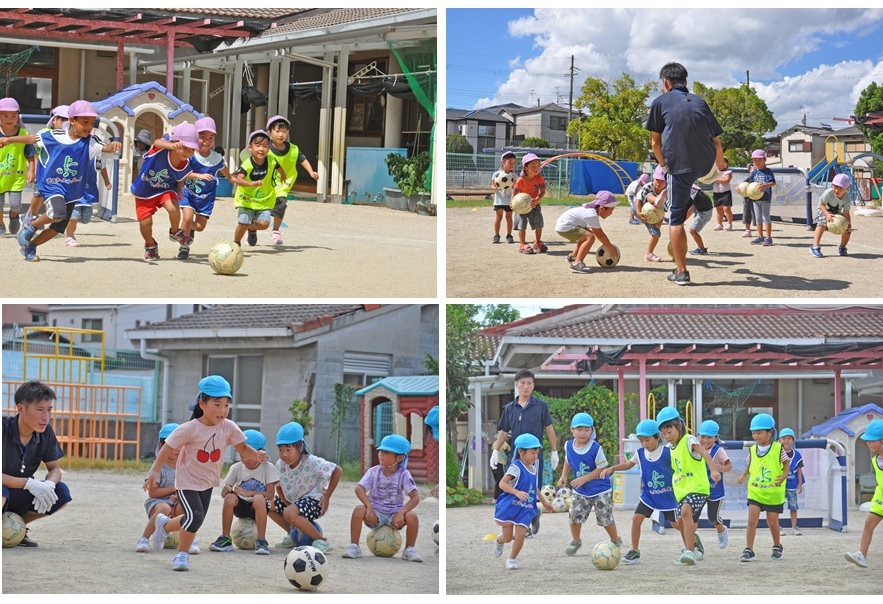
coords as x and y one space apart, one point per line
530 419
22 461
688 129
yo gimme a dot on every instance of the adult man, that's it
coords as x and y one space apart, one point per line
685 140
526 414
28 439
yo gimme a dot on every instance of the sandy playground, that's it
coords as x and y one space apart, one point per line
813 562
733 268
329 250
90 548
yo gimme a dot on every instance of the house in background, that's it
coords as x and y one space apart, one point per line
804 146
113 319
547 121
483 129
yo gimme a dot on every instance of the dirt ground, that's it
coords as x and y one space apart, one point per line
732 269
89 548
330 250
813 562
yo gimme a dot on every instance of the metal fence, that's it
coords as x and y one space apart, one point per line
471 174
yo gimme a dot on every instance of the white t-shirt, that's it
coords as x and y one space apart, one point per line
252 480
586 218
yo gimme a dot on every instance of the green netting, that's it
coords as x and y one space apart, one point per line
10 65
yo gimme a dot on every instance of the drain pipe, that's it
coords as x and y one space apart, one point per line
166 370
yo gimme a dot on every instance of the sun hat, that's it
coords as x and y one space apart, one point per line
874 431
529 157
667 414
527 441
144 137
758 154
644 179
255 439
186 135
290 433
582 420
167 430
206 124
395 444
605 199
60 111
9 104
214 386
647 427
507 154
432 421
81 109
252 136
277 118
709 428
841 180
658 173
763 421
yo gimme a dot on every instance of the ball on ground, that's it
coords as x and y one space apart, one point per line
606 257
171 541
14 529
384 541
605 555
300 538
559 505
306 568
244 533
521 203
435 529
549 492
563 492
225 257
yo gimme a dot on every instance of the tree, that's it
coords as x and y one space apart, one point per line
871 101
457 143
744 117
615 118
535 142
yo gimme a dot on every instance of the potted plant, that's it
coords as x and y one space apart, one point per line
409 174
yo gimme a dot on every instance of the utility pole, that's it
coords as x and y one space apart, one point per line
747 79
570 104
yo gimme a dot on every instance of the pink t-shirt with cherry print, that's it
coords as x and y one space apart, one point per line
202 452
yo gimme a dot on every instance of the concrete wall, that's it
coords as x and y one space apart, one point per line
116 319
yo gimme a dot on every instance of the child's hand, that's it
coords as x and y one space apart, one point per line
780 479
522 495
207 177
741 479
116 146
173 498
548 506
535 202
605 472
108 186
3 141
715 476
371 516
398 520
150 481
255 183
578 482
799 489
561 481
262 456
323 504
434 491
315 175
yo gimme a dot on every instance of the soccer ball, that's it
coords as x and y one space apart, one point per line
742 189
435 532
504 180
384 541
652 213
298 537
668 249
569 502
838 225
605 555
521 203
549 492
563 492
559 505
171 541
755 191
244 533
607 258
225 257
306 567
13 529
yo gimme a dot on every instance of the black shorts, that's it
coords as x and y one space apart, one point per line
506 209
765 507
278 210
245 509
696 501
723 199
646 511
61 226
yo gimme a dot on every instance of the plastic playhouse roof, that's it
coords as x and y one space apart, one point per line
120 99
406 385
839 421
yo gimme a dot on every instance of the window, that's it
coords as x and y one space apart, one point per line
557 123
35 84
416 126
799 146
855 147
246 376
360 368
365 114
96 324
487 130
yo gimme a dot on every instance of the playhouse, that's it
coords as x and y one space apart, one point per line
398 405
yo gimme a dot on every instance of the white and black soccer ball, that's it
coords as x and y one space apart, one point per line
563 492
504 180
306 567
606 257
548 492
559 505
435 532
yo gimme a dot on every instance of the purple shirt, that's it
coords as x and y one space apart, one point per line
386 493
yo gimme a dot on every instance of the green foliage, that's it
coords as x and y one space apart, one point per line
744 117
457 143
409 173
871 100
300 413
452 467
343 405
536 142
460 497
615 118
431 365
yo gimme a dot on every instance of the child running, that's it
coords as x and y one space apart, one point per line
532 183
873 437
586 458
56 121
833 202
83 208
289 156
794 483
708 432
655 193
503 199
582 224
517 505
200 443
256 193
16 164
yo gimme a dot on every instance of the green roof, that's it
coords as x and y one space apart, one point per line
406 385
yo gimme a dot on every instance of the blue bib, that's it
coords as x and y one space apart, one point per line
157 175
791 482
196 191
65 166
717 488
584 463
510 508
656 489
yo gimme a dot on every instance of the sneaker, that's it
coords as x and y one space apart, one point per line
618 543
540 247
496 239
526 249
747 234
580 267
14 224
651 257
322 545
30 253
777 553
151 252
252 238
261 547
410 554
286 543
573 547
698 547
143 545
687 558
181 561
71 242
194 548
757 241
160 534
535 525
26 234
634 221
183 252
719 227
842 250
27 541
180 236
528 534
795 531
679 278
816 251
858 559
723 539
510 239
747 555
222 544
571 258
511 564
767 241
353 551
699 251
633 557
276 237
730 226
498 549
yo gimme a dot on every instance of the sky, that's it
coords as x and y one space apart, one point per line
812 62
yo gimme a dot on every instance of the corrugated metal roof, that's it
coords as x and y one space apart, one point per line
416 385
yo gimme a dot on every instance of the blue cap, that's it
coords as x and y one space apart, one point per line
255 439
874 430
709 428
667 414
527 441
582 420
167 430
787 432
432 421
395 444
214 386
763 421
290 433
647 427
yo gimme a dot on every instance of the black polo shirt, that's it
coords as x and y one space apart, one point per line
22 461
530 419
688 129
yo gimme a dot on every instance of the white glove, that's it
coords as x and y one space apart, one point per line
554 460
495 459
44 494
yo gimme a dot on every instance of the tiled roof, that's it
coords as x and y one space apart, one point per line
242 13
257 316
420 385
320 18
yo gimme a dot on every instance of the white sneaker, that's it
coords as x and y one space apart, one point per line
511 564
858 559
352 551
323 546
498 549
723 538
194 548
796 530
160 534
411 554
143 545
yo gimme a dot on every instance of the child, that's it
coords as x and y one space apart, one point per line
256 194
162 499
247 493
631 192
655 193
794 483
57 119
532 183
503 199
702 210
873 436
61 183
832 202
165 165
16 163
200 443
201 185
517 506
580 225
654 462
83 208
723 198
763 206
289 156
381 492
500 470
708 431
306 483
690 481
766 473
585 457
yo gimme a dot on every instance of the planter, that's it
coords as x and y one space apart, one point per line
396 201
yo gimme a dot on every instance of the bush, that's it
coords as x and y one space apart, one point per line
457 143
460 497
452 467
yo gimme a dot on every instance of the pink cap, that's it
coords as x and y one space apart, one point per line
186 134
9 104
841 180
528 158
81 109
277 118
257 133
206 124
658 173
605 198
644 179
758 154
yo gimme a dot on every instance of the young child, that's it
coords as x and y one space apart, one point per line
256 194
165 165
503 199
289 156
763 206
723 198
306 483
766 473
16 163
690 481
517 506
654 461
56 121
83 208
833 201
794 483
248 490
631 193
585 457
582 224
200 443
873 436
163 499
702 210
708 431
381 491
62 183
531 182
655 193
